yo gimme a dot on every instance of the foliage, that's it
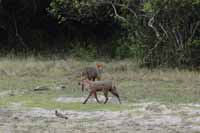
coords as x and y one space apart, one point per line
85 12
159 32
176 24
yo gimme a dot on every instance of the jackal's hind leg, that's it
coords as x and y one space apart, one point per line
95 95
115 93
93 79
106 96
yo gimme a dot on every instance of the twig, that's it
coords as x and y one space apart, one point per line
17 32
116 13
161 26
194 30
119 5
151 24
155 46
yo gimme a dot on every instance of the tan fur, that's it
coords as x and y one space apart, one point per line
105 86
92 73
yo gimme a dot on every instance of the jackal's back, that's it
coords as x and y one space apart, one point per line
91 73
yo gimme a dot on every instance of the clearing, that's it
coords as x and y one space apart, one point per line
155 101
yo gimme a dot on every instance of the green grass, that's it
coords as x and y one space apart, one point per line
160 91
21 76
47 100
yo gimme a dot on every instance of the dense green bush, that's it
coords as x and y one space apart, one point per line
158 32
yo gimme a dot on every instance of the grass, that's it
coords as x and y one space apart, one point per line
161 91
135 84
47 100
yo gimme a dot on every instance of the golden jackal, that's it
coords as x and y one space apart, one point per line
92 73
95 86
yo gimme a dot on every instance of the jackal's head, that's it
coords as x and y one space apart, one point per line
99 66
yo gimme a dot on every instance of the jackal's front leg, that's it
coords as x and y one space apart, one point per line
87 98
95 95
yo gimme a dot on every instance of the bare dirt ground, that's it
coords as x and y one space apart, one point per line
141 118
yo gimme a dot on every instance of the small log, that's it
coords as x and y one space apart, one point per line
41 88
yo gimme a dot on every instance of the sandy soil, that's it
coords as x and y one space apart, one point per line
142 118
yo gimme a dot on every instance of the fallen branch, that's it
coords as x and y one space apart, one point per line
41 88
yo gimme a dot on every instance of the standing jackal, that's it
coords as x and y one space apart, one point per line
95 86
92 73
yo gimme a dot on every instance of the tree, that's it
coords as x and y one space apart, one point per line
19 16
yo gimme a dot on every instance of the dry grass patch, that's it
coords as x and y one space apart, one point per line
135 84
